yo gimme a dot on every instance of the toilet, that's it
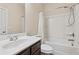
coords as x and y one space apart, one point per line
46 49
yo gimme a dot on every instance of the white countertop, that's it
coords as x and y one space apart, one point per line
14 50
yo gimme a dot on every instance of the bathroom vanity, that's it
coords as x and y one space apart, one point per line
25 45
32 50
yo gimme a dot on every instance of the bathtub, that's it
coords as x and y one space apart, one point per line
63 49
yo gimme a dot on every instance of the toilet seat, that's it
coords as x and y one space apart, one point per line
45 48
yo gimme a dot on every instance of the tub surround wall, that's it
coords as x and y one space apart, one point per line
52 12
76 26
58 31
57 28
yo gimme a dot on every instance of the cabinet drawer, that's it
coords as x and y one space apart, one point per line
35 47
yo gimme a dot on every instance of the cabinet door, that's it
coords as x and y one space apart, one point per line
38 52
25 52
35 47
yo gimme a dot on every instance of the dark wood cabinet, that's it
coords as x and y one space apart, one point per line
35 47
32 50
38 52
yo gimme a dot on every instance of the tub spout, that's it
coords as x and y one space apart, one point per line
72 44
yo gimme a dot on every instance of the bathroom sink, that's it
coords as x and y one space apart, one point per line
13 44
21 41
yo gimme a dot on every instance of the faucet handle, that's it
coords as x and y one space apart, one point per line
11 38
72 34
71 40
16 37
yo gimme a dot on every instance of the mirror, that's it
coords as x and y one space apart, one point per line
3 20
12 18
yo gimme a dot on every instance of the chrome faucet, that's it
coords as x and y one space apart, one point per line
72 44
71 40
16 37
13 38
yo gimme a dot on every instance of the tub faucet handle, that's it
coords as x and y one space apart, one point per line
71 34
71 40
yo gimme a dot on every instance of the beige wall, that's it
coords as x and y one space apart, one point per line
49 9
53 8
32 11
15 11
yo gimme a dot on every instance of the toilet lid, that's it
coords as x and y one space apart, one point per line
46 47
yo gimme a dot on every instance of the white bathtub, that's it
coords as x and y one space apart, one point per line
62 49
